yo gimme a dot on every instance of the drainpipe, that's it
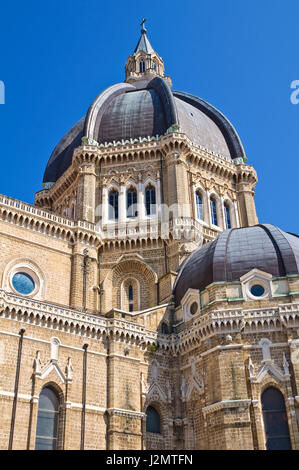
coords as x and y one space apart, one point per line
14 406
83 397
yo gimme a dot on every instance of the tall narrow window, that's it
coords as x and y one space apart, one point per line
142 66
213 211
131 298
150 200
47 420
113 205
132 203
228 224
199 208
275 420
153 423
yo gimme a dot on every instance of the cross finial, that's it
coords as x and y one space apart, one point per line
142 24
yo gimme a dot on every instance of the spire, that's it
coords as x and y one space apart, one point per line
144 63
143 43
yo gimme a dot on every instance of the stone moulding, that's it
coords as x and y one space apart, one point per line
227 404
126 413
70 321
43 222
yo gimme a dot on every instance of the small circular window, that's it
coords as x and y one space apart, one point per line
194 308
257 290
23 283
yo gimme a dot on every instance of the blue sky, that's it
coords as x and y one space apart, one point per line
241 56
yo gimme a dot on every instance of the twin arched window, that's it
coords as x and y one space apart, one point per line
131 202
47 420
153 422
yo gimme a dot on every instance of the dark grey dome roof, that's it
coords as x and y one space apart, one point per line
236 252
146 109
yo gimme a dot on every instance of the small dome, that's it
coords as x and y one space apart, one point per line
146 109
236 252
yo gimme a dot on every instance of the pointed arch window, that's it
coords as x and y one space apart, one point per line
47 420
132 203
227 217
275 420
113 205
199 205
213 211
153 421
150 200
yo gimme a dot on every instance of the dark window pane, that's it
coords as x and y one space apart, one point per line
275 420
47 420
113 205
199 210
152 420
227 217
45 444
46 424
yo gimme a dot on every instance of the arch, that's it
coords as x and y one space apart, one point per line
153 420
150 199
131 201
275 420
213 210
113 199
227 215
47 426
199 204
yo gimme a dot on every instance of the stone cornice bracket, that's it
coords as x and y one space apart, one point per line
175 142
86 154
247 175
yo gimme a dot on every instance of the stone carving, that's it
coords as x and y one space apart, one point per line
69 370
37 363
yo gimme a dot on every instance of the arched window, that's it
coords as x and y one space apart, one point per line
228 224
213 211
199 207
153 423
164 329
142 66
132 203
47 420
275 420
113 205
131 298
150 200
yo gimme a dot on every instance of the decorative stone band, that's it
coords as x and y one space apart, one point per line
70 321
236 321
126 413
242 405
41 221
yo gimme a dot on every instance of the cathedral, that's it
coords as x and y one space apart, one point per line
142 305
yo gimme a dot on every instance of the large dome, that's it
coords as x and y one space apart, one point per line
236 252
146 109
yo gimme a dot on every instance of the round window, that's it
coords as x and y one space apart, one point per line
257 290
193 308
23 283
